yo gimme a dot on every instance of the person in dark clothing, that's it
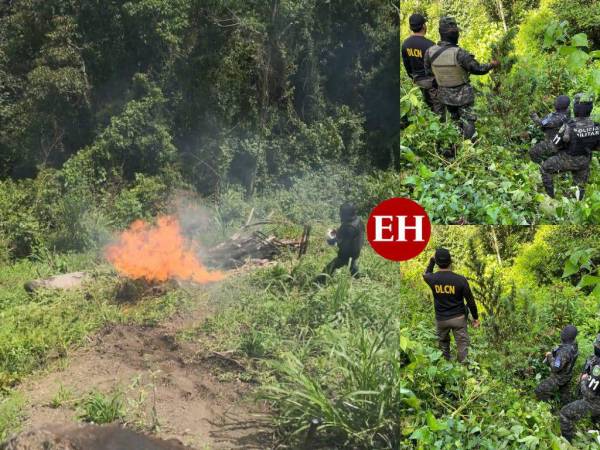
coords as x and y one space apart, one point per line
576 141
550 126
413 51
450 291
589 404
349 238
451 65
562 362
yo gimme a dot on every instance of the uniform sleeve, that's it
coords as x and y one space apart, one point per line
429 270
468 295
470 64
587 367
406 62
558 362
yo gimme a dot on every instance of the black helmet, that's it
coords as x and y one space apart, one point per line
449 29
568 334
597 346
347 212
583 105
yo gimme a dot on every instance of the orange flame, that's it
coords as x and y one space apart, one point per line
158 253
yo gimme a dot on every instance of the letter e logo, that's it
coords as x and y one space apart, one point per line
398 229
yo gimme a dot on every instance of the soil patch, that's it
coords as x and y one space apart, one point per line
171 387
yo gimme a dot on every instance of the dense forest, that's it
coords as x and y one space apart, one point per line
545 48
108 108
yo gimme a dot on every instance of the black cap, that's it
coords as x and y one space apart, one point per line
442 257
568 334
416 22
562 102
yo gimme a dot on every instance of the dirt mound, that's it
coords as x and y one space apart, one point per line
88 437
179 391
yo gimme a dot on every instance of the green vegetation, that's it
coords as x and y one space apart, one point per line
546 48
361 355
108 108
100 408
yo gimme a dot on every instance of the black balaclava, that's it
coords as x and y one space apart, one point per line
597 346
568 334
582 108
562 103
442 257
347 212
449 30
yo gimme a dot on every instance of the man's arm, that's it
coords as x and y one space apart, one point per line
427 63
468 295
429 269
406 62
558 362
471 65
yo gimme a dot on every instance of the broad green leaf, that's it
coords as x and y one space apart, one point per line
577 60
570 269
580 40
433 423
404 342
588 280
425 172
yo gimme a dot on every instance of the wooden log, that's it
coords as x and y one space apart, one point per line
65 281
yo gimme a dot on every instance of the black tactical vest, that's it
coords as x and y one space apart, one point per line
585 137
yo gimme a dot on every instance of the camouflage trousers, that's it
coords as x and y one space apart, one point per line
579 166
464 117
550 386
575 411
542 151
430 97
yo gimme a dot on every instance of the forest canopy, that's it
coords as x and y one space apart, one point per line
101 100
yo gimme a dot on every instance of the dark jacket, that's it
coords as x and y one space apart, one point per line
413 52
450 291
551 123
589 388
350 238
562 361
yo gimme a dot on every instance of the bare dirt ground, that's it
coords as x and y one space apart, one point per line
170 387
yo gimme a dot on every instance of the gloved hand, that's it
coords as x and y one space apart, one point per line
495 64
331 237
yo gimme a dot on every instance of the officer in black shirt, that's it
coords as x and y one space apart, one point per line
349 238
450 291
413 51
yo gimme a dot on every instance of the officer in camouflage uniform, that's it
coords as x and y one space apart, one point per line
576 140
349 238
562 361
590 391
451 66
550 125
